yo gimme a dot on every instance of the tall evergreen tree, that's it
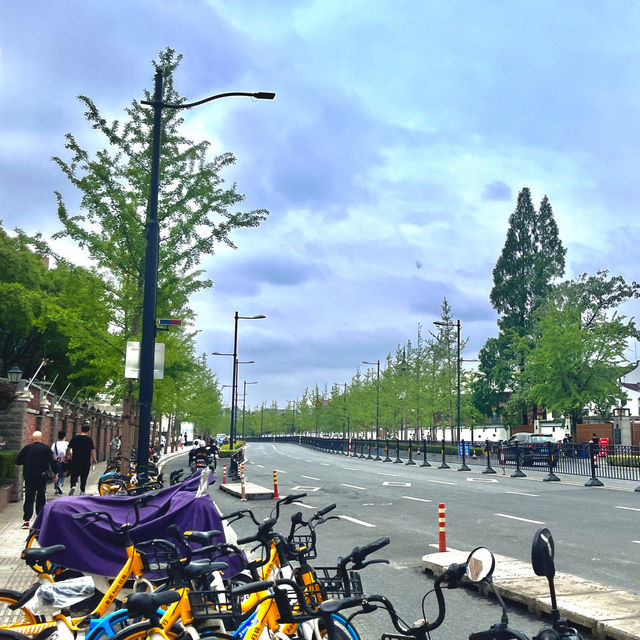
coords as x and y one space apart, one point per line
531 259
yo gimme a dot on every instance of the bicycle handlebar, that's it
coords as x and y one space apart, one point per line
358 555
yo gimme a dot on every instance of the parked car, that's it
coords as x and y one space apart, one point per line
532 447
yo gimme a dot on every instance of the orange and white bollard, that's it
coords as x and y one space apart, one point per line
275 486
224 474
243 493
442 535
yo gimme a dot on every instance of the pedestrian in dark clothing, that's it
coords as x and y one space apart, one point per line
595 439
36 459
83 453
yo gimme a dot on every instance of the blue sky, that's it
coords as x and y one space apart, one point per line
390 159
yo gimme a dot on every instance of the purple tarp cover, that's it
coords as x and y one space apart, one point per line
93 547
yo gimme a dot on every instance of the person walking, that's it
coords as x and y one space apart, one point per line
37 460
82 453
59 448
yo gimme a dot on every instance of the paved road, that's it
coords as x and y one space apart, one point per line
596 530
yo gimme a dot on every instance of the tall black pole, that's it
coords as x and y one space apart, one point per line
147 349
234 385
378 404
244 400
458 416
261 419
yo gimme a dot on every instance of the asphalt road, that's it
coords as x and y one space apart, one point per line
595 529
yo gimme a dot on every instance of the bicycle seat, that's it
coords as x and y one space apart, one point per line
41 553
147 604
202 537
196 569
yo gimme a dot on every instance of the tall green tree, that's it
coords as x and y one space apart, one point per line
531 260
578 357
196 210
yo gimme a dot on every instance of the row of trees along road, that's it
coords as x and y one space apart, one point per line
81 318
560 347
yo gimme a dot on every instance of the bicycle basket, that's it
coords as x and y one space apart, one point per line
335 586
158 556
305 543
215 603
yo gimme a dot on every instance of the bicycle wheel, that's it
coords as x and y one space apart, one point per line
140 631
111 487
5 634
343 629
18 616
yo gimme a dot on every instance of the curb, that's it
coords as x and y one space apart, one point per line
608 612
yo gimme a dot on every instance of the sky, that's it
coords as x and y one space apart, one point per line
390 160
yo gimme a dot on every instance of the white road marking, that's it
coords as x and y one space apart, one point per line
377 504
441 482
382 473
518 493
310 478
353 486
416 499
280 471
308 460
324 464
260 465
354 520
636 541
628 508
387 483
350 469
303 488
504 515
481 480
302 504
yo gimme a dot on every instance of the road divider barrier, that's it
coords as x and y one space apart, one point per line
442 532
276 495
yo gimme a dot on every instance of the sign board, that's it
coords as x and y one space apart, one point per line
168 322
132 361
466 448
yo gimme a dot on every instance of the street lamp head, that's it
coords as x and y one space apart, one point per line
264 95
217 353
246 361
15 374
260 317
439 323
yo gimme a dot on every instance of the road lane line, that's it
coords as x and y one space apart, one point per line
636 541
504 515
416 499
324 464
260 465
310 478
518 493
442 482
302 504
350 469
382 473
280 471
353 486
354 520
628 508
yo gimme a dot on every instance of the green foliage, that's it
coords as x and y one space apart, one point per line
7 465
623 461
225 450
578 357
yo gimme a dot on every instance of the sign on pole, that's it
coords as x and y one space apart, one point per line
132 361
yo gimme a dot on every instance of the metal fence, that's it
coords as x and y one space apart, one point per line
592 460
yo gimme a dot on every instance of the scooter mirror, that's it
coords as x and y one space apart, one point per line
480 564
542 552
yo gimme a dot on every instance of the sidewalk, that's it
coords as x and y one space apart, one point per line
14 573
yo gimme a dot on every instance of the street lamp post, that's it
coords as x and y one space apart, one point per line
457 325
244 399
377 398
293 416
147 347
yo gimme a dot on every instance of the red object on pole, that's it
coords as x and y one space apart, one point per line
243 494
224 474
442 536
275 486
349 446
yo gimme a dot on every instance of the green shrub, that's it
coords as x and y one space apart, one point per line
7 465
225 452
623 461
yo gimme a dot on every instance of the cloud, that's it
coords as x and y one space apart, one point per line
497 190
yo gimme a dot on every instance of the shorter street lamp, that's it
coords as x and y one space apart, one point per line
344 409
293 416
377 397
